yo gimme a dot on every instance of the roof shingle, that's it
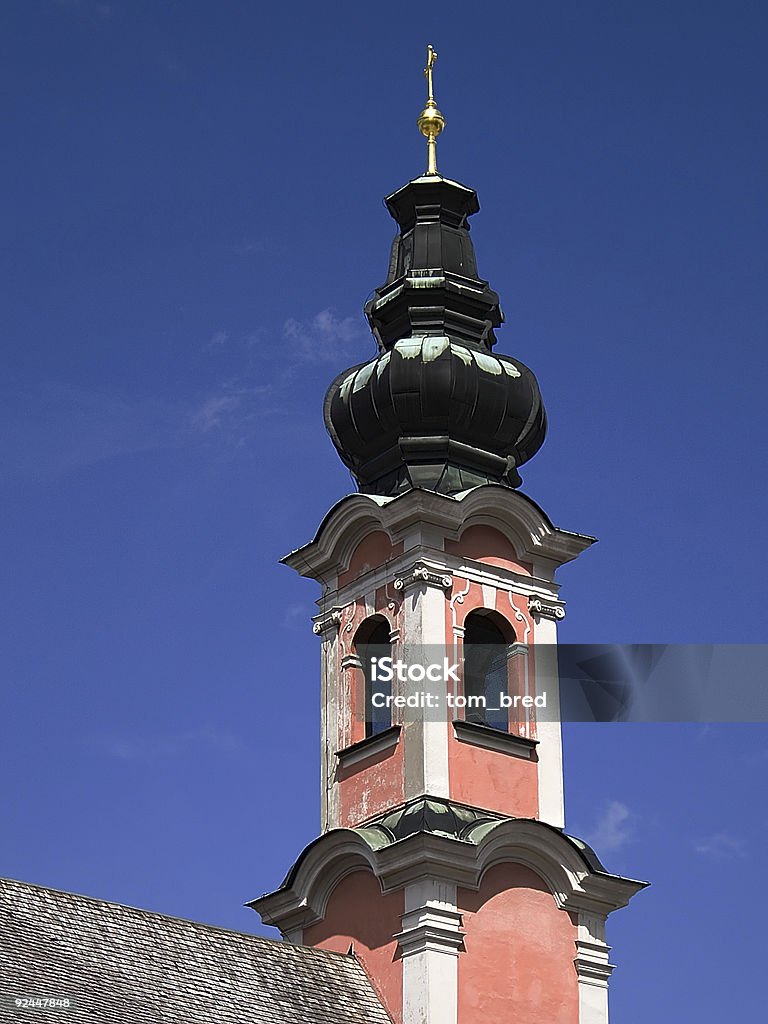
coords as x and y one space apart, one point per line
120 964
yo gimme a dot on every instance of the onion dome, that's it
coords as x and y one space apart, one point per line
436 409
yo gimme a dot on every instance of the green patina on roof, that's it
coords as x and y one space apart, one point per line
426 815
441 818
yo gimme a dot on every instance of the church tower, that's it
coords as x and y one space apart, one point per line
442 860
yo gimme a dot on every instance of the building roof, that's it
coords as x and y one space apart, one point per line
120 964
435 408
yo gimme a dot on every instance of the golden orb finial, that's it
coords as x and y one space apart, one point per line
430 121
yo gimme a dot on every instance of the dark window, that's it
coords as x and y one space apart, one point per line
485 671
372 645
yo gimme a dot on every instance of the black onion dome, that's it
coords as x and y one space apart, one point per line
436 409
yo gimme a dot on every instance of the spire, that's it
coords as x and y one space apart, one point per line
437 409
430 121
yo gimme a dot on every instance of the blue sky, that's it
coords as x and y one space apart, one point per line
193 221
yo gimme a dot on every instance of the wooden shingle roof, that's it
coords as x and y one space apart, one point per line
119 964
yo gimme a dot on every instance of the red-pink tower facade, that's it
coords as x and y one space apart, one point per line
442 859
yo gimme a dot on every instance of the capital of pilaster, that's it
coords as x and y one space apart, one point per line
517 650
433 928
545 609
422 573
326 622
591 962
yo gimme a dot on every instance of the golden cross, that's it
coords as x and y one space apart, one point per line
430 121
431 58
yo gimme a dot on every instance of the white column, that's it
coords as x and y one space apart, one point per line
430 943
593 969
550 749
435 727
426 732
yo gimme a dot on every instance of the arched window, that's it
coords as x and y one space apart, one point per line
372 643
485 670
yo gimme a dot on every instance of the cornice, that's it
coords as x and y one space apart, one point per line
557 859
445 564
516 516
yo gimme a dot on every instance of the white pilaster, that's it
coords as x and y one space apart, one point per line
593 969
550 750
329 725
426 738
429 944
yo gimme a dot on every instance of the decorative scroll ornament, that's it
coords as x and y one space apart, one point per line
324 623
526 620
458 598
393 602
545 609
422 573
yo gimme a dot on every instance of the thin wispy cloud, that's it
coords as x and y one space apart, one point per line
214 412
247 248
327 338
233 408
613 829
296 615
53 428
721 846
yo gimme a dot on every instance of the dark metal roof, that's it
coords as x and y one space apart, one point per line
429 814
120 964
437 816
436 409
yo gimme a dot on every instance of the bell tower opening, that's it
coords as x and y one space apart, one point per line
485 668
373 645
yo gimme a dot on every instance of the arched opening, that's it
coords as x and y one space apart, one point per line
486 643
372 644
